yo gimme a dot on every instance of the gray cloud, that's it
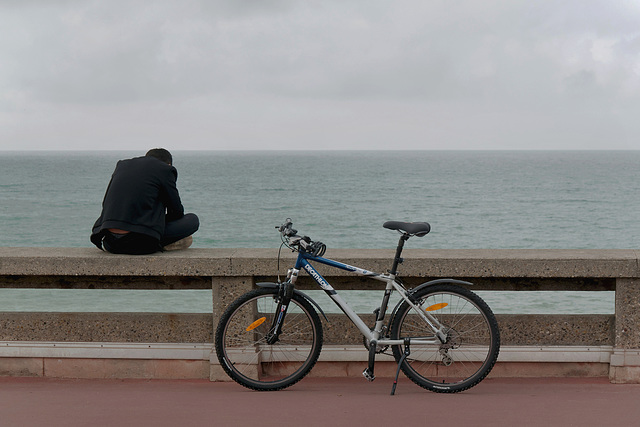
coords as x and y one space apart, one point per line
254 74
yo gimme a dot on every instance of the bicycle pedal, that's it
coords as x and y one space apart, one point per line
368 375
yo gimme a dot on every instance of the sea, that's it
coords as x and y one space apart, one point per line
472 199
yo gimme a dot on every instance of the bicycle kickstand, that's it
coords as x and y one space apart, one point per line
406 353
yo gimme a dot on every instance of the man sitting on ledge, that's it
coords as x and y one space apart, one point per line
141 211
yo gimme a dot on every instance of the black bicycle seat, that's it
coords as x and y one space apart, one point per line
411 228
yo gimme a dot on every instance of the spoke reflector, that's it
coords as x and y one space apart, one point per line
255 324
435 307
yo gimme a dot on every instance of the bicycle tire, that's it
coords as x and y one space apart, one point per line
471 348
253 363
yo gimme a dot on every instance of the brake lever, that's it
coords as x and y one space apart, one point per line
286 230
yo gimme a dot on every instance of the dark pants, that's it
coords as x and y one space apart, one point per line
180 228
141 244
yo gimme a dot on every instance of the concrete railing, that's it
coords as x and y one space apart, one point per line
180 345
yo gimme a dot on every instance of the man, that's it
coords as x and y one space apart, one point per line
141 211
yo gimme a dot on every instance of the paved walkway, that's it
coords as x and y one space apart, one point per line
316 402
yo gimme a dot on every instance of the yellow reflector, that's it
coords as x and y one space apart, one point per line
435 307
255 324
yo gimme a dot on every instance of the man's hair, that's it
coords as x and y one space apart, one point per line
161 154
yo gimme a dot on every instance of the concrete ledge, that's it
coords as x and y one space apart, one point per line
260 262
330 353
105 350
125 368
621 357
153 360
624 374
105 360
625 366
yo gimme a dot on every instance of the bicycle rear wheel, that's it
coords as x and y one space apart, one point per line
252 362
472 339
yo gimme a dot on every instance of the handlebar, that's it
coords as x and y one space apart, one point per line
290 238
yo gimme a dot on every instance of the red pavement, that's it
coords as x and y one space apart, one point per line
316 402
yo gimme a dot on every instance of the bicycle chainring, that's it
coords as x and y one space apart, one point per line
379 348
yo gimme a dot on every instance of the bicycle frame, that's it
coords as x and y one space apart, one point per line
373 336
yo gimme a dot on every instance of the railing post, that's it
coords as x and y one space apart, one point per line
625 360
225 290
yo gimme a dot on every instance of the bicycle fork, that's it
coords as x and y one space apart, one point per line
284 295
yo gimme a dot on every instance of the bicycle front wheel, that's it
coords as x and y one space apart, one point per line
470 349
244 352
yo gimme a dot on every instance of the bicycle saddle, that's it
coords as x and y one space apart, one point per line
419 229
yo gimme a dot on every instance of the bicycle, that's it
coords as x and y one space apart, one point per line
443 337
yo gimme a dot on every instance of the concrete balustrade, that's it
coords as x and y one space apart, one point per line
163 345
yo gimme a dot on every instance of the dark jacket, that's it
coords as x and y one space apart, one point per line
141 196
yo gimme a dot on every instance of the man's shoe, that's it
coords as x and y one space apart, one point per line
180 244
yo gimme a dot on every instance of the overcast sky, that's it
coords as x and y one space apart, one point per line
362 74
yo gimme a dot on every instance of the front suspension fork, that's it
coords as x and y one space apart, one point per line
285 293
